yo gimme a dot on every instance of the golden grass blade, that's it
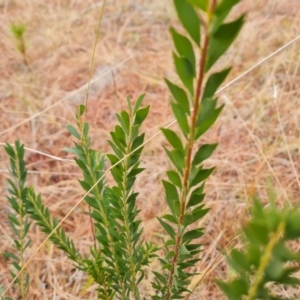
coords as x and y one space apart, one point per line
92 63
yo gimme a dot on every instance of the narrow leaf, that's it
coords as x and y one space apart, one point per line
173 139
185 72
204 152
174 178
171 194
192 235
167 228
179 96
201 175
222 39
189 19
120 134
138 103
213 83
207 123
202 4
184 47
196 197
225 6
125 118
181 118
73 131
141 115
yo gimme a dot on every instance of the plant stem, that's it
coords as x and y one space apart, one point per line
126 217
22 213
185 188
265 259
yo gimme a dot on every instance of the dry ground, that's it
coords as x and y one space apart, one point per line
258 132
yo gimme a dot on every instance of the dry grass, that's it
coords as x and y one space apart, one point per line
258 133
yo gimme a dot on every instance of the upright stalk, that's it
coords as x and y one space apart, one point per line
195 109
191 140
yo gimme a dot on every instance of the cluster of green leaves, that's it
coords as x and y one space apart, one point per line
18 219
26 203
117 227
118 257
266 259
195 109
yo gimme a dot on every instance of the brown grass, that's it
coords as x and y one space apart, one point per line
258 132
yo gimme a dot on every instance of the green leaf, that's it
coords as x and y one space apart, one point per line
225 6
239 262
169 229
171 194
86 128
221 12
120 134
208 122
192 235
293 225
135 172
176 205
181 119
173 139
9 255
235 289
189 19
141 115
179 96
206 110
126 119
123 118
183 250
73 131
134 158
117 143
204 152
92 202
201 175
138 103
72 150
174 178
222 39
84 185
213 83
138 141
170 218
160 277
185 72
9 150
116 149
202 4
112 158
173 160
14 219
176 158
196 198
199 213
81 109
257 233
184 47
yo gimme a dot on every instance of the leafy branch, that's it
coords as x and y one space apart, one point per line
18 220
195 110
266 257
